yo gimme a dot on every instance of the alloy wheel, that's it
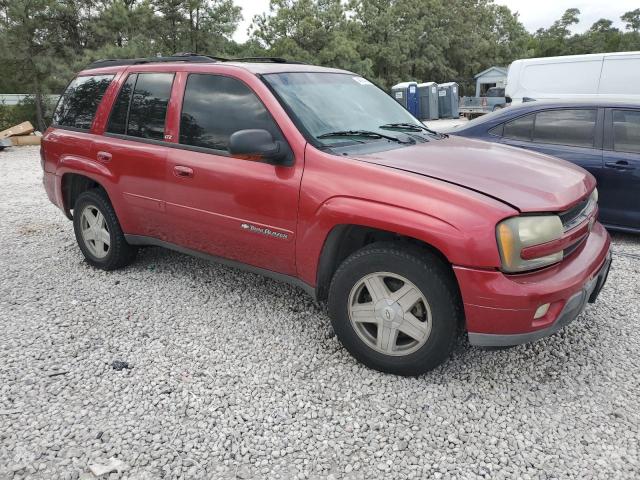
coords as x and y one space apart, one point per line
95 231
389 313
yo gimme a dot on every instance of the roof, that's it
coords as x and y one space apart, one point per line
499 70
182 62
263 68
602 103
586 56
404 84
525 108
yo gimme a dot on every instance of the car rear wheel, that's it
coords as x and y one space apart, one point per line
395 308
98 232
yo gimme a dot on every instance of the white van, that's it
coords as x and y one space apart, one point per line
595 76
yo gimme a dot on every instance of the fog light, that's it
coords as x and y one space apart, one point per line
541 311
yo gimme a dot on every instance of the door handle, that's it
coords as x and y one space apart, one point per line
182 171
103 157
619 165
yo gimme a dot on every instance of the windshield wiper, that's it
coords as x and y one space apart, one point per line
361 133
414 127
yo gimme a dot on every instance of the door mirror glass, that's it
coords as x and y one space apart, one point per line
259 144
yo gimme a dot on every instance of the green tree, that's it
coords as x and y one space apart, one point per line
555 39
309 31
632 19
34 47
436 40
197 26
630 40
601 37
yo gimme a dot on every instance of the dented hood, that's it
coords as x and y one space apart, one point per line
528 181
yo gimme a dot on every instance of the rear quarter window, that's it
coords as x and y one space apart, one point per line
78 105
520 128
140 109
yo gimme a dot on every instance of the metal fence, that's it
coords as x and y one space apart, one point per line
15 98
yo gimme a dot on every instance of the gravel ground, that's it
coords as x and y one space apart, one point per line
230 375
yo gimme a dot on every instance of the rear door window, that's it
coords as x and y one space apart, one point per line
141 107
215 106
78 105
566 127
120 111
520 128
626 131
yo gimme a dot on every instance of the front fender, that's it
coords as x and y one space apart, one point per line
468 246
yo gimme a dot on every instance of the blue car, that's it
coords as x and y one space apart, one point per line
602 137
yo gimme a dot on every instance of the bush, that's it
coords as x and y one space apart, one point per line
11 115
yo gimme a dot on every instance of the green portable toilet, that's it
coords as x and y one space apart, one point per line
428 98
448 102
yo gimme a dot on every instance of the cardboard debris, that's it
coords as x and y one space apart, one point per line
25 128
25 140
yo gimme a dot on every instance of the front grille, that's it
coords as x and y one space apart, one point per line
577 214
573 247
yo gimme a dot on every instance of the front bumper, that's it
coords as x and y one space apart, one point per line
574 307
500 309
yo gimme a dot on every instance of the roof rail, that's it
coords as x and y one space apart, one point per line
186 57
197 55
263 59
116 62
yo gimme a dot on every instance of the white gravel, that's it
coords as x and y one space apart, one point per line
235 376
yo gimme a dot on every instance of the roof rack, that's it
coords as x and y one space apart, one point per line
263 59
186 57
115 62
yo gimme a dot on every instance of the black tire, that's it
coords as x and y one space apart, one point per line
119 253
431 275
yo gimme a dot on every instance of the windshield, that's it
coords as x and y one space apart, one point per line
333 106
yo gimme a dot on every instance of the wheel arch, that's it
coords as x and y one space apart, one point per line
72 184
345 239
78 174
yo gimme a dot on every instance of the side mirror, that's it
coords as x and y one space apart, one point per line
257 144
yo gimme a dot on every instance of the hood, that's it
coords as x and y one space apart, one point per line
528 181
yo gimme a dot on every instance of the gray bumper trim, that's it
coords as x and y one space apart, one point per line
574 307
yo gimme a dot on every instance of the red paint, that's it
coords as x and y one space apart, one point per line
449 194
505 304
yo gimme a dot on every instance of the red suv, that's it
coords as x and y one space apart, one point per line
317 177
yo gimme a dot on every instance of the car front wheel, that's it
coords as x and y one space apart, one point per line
395 308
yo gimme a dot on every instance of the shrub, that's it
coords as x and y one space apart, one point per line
25 110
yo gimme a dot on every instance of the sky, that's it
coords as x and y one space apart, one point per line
533 13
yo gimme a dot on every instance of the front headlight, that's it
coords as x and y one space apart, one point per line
516 233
